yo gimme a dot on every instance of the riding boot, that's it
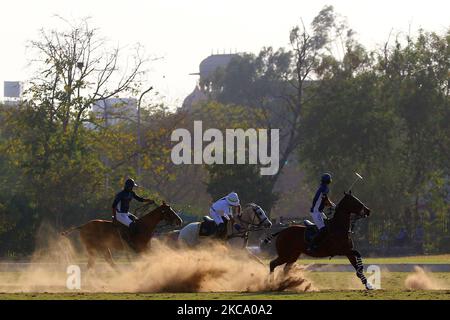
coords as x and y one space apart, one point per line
132 230
317 240
221 230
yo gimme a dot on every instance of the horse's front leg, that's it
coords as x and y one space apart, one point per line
355 259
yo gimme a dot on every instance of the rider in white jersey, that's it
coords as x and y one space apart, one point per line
223 208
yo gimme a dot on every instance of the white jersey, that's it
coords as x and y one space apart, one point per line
221 208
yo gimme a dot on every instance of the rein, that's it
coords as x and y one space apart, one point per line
352 218
148 205
244 234
252 223
144 206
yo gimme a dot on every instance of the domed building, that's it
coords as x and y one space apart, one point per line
211 63
207 67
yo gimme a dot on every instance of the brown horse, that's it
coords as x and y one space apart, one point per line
101 236
291 242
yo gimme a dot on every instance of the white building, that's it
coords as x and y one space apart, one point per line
12 92
114 110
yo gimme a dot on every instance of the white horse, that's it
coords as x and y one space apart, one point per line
251 218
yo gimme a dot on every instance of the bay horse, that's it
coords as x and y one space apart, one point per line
99 237
291 242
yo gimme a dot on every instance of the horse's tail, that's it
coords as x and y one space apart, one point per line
65 233
270 237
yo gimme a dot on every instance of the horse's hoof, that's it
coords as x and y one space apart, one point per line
369 286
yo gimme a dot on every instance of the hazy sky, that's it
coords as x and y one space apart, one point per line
186 31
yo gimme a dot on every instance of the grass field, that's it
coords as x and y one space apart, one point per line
424 259
328 285
322 295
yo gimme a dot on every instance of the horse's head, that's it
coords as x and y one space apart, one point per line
353 205
169 215
254 215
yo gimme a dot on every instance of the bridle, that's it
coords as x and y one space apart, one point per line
353 217
252 223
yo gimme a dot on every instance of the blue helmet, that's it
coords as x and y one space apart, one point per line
129 184
326 178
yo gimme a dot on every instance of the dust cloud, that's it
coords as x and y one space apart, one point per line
210 268
421 280
213 268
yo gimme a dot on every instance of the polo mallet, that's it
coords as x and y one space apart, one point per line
358 177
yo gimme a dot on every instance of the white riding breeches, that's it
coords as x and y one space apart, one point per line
318 218
124 218
218 219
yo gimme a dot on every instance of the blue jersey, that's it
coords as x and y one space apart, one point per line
321 194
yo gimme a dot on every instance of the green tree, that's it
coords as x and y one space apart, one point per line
385 114
276 83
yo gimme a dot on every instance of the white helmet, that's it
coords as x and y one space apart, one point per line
232 199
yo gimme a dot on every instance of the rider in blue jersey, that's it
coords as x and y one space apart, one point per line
319 201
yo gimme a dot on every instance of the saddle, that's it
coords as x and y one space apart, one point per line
207 227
